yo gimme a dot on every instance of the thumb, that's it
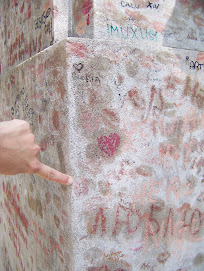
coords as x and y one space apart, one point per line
51 174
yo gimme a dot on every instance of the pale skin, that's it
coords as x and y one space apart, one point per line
19 151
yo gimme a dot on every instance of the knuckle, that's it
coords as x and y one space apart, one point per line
34 166
36 149
25 125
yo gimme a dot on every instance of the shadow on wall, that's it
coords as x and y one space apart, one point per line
186 31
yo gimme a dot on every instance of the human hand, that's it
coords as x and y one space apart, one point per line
18 153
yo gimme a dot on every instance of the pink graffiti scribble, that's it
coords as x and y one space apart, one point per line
110 144
137 249
81 187
88 20
64 217
22 8
87 7
79 49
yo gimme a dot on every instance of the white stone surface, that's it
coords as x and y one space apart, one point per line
127 123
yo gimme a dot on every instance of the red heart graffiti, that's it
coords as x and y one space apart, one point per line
110 144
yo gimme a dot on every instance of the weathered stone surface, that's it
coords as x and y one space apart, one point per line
127 123
36 215
27 27
172 23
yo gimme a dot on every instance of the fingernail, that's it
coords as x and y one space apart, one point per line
69 180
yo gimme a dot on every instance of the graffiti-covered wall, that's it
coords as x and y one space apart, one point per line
123 113
27 27
173 23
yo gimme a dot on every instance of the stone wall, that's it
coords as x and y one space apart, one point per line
36 214
125 118
172 23
27 27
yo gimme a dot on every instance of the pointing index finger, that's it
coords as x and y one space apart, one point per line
53 175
